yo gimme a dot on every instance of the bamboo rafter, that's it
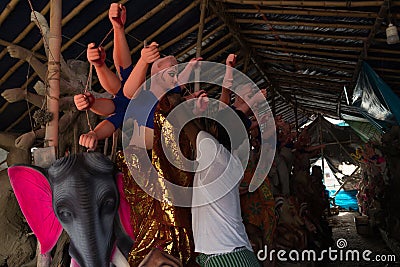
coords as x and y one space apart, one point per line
9 8
304 45
167 24
304 34
209 35
189 31
25 32
306 12
306 24
374 29
347 4
74 12
335 55
321 62
141 20
322 78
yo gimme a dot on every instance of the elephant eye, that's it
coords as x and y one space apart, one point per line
64 215
108 205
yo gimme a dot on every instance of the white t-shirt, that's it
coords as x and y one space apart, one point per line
216 216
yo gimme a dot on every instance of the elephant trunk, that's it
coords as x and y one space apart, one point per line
93 250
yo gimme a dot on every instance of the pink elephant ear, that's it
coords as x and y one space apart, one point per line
33 193
124 209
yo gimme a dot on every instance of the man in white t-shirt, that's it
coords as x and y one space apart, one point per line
219 233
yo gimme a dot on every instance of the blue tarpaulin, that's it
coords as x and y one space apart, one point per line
377 102
346 199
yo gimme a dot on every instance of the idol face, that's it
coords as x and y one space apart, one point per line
169 77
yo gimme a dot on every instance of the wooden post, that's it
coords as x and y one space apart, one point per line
273 101
320 142
296 116
203 5
54 72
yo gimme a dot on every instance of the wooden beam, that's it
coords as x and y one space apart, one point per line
303 3
7 10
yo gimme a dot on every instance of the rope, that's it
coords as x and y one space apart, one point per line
25 87
41 31
100 44
86 89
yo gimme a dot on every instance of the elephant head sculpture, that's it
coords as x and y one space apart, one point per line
83 194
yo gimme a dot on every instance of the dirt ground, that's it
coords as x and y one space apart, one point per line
344 227
345 232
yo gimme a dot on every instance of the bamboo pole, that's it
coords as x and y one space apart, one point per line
296 116
24 33
306 46
330 78
7 10
334 64
5 43
26 113
302 3
311 64
303 34
309 52
306 12
88 27
39 44
216 43
180 54
308 82
383 59
364 52
54 71
141 20
203 5
388 51
305 24
309 93
321 139
167 24
3 107
187 32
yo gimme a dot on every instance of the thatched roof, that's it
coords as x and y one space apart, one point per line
304 51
